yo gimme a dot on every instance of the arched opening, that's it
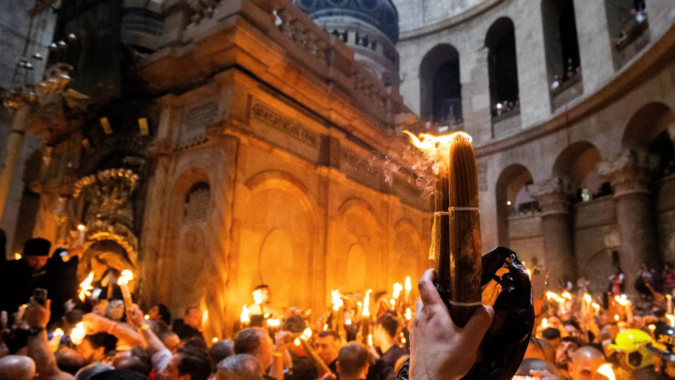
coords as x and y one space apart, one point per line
562 47
503 67
649 131
577 166
626 22
513 199
440 86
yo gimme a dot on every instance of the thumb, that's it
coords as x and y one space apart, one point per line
479 323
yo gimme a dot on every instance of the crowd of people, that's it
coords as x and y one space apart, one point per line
578 336
505 107
571 72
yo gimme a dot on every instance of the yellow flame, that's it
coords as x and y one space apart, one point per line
393 303
57 332
85 287
397 290
596 306
566 295
325 327
652 327
544 323
81 227
671 319
428 143
146 317
588 297
616 318
408 314
244 316
366 304
622 300
668 296
606 370
554 296
307 334
296 341
126 276
337 300
258 296
78 333
408 284
273 323
370 340
17 256
205 317
214 340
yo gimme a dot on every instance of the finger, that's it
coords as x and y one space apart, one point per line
479 324
428 292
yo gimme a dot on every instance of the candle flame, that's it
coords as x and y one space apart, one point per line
78 333
623 300
393 303
366 304
337 300
325 327
370 340
652 327
544 323
408 314
244 317
205 317
214 340
307 334
296 341
81 227
273 323
668 296
588 297
85 287
408 284
554 296
606 370
126 276
566 295
671 319
146 317
397 290
428 143
57 332
258 297
616 317
596 306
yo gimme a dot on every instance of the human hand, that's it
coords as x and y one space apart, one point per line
373 355
37 315
280 344
94 323
440 349
135 317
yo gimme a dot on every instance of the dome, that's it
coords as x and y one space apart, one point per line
381 14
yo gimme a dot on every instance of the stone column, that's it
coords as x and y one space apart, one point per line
12 153
556 225
629 175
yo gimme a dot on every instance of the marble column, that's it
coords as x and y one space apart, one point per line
13 150
556 223
628 174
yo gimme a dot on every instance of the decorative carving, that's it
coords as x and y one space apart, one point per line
286 126
195 119
628 173
552 195
197 203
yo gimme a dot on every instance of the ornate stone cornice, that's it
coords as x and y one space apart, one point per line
628 173
552 195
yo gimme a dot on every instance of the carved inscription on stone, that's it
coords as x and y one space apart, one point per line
195 119
285 125
482 176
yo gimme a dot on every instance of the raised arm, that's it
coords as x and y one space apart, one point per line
37 317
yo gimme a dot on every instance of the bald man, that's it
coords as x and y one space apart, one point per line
585 363
14 367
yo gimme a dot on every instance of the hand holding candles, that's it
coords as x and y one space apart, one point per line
123 282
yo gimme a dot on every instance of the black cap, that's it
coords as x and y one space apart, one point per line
550 333
37 247
664 342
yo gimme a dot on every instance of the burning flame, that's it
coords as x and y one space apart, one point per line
566 295
244 317
81 227
671 319
258 297
588 297
429 143
616 317
214 340
550 295
85 287
78 333
623 300
397 290
337 300
408 314
544 323
205 317
273 323
606 370
408 284
307 334
146 317
366 304
596 306
370 340
126 276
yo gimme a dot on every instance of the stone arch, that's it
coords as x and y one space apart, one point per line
560 37
502 61
577 166
440 84
408 256
355 229
277 239
651 130
511 192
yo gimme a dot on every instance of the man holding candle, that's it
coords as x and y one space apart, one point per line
327 346
36 269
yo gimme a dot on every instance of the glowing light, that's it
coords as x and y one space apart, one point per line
508 203
296 341
606 370
214 340
408 284
408 314
57 332
397 290
126 276
205 317
671 319
366 304
431 145
348 321
337 300
596 306
85 287
325 327
499 106
307 334
652 327
616 318
529 273
623 300
17 256
78 333
81 227
553 296
370 340
588 298
566 295
544 323
147 317
273 323
258 297
244 317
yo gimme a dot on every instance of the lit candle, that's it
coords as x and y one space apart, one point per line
81 229
338 305
408 314
606 370
56 340
123 282
365 316
78 333
456 239
669 304
408 289
244 317
396 295
85 287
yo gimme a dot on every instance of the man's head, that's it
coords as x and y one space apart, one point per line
240 367
552 336
385 330
193 317
68 360
573 329
36 253
89 371
187 364
256 342
220 351
137 360
566 349
585 363
352 362
294 324
327 346
555 322
15 367
171 341
94 347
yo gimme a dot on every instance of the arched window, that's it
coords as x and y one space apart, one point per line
562 47
577 165
440 86
503 67
626 23
197 203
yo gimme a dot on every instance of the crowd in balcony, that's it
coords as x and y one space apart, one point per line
506 107
634 25
572 71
